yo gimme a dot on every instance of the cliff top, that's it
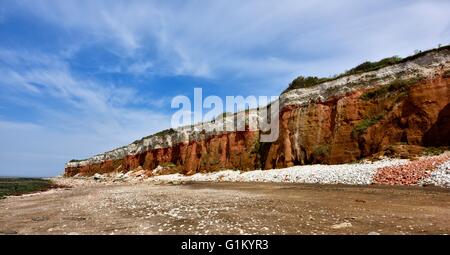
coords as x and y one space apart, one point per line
369 74
311 81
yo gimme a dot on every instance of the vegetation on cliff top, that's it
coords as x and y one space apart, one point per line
160 133
305 82
76 160
310 81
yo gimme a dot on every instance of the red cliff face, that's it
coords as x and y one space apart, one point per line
227 151
396 116
351 127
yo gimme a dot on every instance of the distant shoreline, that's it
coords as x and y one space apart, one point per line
25 177
16 186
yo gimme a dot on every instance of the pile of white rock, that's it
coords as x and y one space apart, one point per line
439 177
354 174
357 173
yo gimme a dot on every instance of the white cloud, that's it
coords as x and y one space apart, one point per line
211 38
141 67
75 117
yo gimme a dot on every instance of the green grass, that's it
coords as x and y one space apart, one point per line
321 151
372 66
18 186
214 161
362 126
168 164
434 151
398 85
305 82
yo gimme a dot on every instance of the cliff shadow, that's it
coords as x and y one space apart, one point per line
439 133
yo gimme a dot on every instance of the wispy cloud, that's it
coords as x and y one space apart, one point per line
86 115
209 38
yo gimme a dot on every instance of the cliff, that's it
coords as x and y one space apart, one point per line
395 110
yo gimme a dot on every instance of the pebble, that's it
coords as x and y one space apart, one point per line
360 173
342 225
411 173
440 177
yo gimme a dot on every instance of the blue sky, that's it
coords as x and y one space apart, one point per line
82 77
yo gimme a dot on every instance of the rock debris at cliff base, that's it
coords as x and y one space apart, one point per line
426 170
357 173
439 177
422 171
412 172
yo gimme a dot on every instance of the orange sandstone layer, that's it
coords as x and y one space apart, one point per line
396 110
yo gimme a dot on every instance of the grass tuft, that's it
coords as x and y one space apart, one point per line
362 126
168 164
434 151
398 85
321 151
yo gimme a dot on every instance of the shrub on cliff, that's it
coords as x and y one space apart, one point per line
321 151
434 151
165 132
372 66
161 133
362 126
168 164
76 160
398 85
302 82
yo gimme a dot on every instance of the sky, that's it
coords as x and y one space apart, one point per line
78 78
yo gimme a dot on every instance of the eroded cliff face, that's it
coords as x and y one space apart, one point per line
349 127
396 109
234 150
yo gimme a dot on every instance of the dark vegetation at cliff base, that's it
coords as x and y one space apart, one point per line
434 151
19 186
